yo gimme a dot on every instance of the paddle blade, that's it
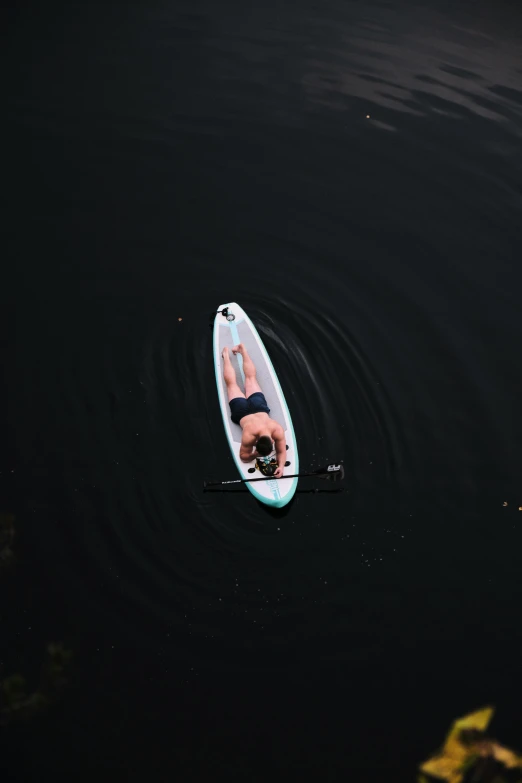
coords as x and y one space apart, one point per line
333 473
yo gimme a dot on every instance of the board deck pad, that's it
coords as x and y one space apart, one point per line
276 492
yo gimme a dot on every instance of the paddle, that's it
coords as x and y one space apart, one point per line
332 472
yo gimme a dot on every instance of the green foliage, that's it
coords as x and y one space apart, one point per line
56 666
14 689
16 703
16 700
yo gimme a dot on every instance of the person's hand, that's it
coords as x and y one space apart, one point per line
278 473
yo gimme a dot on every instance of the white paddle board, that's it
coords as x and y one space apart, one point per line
231 329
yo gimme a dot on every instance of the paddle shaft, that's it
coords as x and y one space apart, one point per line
269 478
265 478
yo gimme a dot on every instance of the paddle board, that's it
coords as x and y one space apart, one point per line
230 328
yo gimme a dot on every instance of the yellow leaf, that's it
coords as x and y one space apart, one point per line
506 757
478 720
448 765
444 768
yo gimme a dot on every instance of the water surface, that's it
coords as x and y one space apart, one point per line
351 175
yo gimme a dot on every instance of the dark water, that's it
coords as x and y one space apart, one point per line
351 174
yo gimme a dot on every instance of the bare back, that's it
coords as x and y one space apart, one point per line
254 423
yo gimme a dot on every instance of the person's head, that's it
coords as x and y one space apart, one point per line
264 445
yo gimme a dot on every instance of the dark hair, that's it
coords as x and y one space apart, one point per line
264 445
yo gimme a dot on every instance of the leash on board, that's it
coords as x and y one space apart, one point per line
229 316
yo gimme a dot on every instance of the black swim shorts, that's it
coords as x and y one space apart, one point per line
241 406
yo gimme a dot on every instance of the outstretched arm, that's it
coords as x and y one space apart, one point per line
280 444
245 452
